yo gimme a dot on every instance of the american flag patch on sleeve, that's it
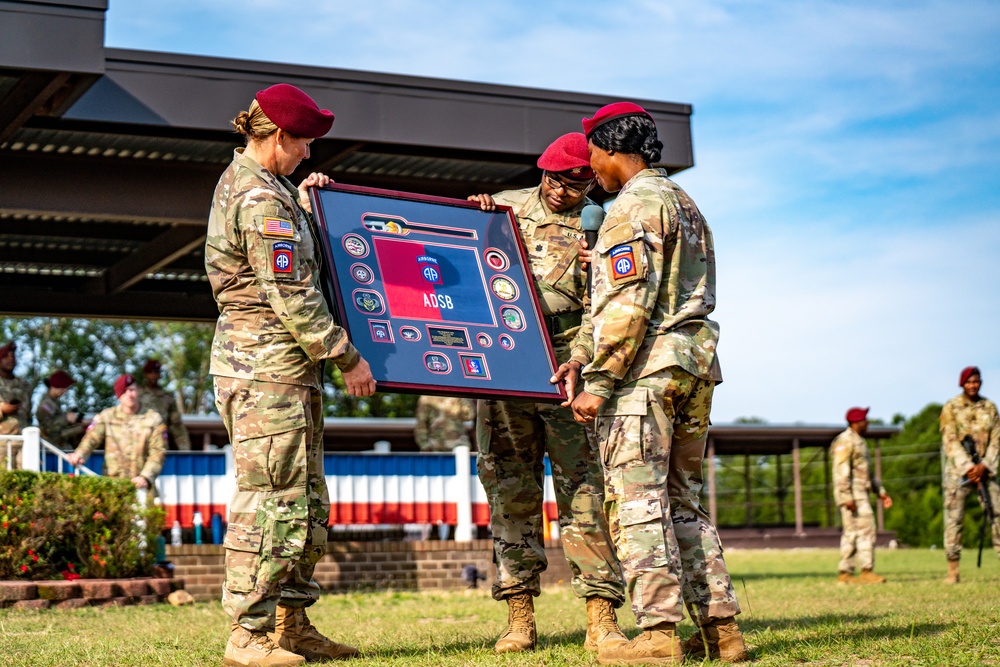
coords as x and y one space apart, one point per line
278 227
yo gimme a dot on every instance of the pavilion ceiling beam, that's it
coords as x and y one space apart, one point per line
132 305
156 254
28 96
327 162
112 189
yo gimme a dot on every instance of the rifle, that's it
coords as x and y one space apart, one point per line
969 445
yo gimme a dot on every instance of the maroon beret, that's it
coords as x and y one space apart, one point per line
9 347
122 383
857 415
962 379
294 112
60 380
612 111
568 154
151 366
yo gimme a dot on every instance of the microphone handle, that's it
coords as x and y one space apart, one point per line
591 238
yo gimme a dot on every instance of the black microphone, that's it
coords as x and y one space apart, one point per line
590 219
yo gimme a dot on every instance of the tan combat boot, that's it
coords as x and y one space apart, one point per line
658 645
602 625
952 577
721 637
294 632
869 577
846 578
253 648
520 633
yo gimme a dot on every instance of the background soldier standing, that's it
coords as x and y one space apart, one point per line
62 429
15 404
651 381
513 436
852 482
274 333
156 397
134 440
968 414
441 423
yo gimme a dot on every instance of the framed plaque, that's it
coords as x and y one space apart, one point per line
435 293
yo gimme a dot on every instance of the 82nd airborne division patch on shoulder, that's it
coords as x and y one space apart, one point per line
622 262
281 256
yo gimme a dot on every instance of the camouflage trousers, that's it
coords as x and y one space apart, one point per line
653 434
857 542
281 507
955 496
513 438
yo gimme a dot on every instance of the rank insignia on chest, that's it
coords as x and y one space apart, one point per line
278 227
622 262
281 257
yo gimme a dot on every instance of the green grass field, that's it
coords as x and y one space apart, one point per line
793 614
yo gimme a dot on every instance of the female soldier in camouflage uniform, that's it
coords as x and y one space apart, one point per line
273 335
651 380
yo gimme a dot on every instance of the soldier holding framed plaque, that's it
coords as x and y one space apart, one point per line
515 435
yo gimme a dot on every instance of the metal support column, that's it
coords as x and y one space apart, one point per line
797 484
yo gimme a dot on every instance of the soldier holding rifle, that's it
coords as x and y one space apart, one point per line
968 416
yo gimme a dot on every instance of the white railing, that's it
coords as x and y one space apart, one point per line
33 448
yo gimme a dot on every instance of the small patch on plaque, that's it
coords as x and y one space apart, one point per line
504 288
437 363
474 366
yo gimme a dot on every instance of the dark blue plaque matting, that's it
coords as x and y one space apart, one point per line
435 293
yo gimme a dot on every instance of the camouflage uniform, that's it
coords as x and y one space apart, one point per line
274 332
53 424
134 444
513 436
163 402
441 423
11 389
852 481
655 364
962 416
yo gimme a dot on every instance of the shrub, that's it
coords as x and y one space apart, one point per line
56 526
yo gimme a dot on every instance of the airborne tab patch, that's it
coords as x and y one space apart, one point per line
622 262
278 227
281 256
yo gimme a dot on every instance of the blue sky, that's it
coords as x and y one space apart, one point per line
847 158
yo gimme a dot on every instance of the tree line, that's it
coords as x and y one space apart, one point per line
95 352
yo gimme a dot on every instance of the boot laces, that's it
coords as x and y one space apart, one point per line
262 641
520 611
606 619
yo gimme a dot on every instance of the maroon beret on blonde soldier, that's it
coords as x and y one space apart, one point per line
612 111
857 415
294 111
967 372
122 383
568 155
